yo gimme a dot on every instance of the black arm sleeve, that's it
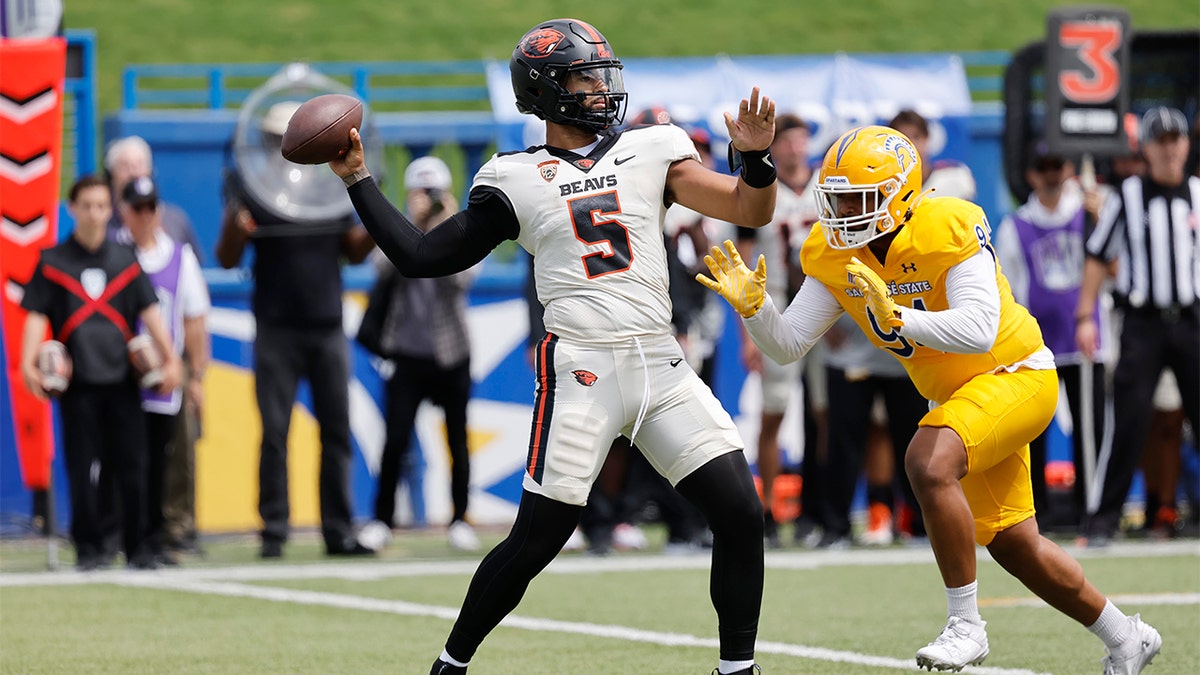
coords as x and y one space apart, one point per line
452 246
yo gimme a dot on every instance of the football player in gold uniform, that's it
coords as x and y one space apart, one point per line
918 275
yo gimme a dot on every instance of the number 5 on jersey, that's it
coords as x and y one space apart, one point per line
594 220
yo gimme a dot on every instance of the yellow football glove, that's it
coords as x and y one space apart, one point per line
742 288
875 292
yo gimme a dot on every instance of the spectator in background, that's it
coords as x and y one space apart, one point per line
297 303
127 158
1040 249
184 304
1148 226
91 293
946 177
869 395
793 219
425 335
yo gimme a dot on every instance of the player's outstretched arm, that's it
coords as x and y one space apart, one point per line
748 200
452 246
782 337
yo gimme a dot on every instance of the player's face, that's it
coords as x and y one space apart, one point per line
588 84
854 204
91 209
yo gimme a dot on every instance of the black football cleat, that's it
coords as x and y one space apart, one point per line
440 667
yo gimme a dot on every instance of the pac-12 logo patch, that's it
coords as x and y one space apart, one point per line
541 43
548 169
585 377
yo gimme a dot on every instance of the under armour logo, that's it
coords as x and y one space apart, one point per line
908 267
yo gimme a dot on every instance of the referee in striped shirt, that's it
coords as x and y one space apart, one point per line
1148 227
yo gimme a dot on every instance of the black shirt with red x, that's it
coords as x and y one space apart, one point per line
93 300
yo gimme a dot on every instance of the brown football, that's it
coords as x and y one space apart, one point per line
55 365
146 361
319 130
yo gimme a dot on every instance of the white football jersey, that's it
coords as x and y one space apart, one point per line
594 226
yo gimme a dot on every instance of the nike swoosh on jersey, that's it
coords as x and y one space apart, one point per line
621 160
675 362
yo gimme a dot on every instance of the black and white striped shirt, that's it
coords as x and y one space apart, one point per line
1151 231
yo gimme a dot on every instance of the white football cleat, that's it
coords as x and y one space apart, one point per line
462 536
375 535
961 644
627 537
1135 653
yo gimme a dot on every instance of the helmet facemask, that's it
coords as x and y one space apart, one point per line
599 100
869 204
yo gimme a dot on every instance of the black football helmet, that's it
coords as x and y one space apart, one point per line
547 55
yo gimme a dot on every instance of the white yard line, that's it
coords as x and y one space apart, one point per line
626 633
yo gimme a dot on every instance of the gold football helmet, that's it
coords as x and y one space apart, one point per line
868 185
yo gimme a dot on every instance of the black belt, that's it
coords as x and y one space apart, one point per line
1170 314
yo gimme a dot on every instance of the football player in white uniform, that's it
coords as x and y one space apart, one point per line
589 207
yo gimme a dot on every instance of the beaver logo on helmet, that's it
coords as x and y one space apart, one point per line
541 43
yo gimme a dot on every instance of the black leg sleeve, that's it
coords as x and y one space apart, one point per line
542 527
724 491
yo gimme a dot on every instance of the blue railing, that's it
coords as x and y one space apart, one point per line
80 90
215 86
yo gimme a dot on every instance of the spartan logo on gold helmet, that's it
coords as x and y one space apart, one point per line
869 183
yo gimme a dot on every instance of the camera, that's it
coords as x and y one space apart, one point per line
436 202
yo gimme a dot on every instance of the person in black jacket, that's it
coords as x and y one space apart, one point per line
297 305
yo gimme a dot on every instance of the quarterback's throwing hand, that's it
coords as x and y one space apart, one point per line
875 292
754 128
742 288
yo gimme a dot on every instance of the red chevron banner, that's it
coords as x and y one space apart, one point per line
31 120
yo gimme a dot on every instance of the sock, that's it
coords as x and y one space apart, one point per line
1112 627
724 666
880 494
451 660
963 602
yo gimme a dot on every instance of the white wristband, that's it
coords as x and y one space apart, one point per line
356 177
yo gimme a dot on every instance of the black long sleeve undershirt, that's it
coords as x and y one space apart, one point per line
452 246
